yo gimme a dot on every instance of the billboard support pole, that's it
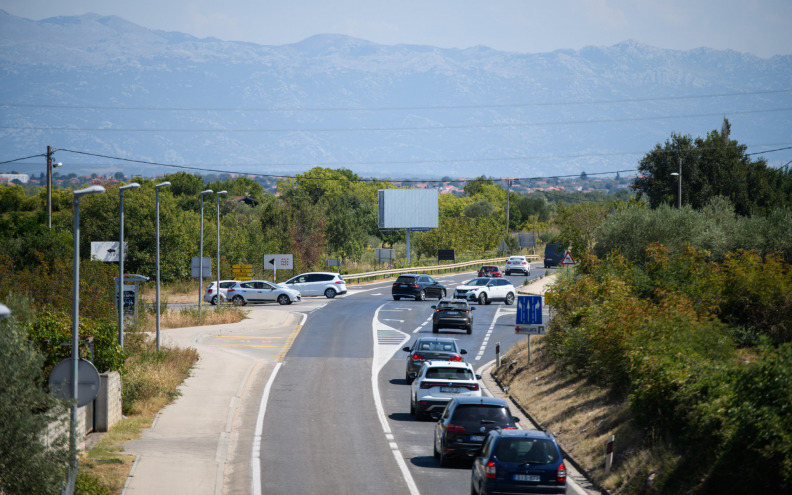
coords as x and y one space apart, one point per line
408 246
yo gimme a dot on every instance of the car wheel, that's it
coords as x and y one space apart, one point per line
469 329
444 460
283 299
412 407
435 453
509 299
239 301
330 293
482 299
396 298
214 301
435 328
408 379
421 296
442 295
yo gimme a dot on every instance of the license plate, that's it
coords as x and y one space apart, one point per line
450 390
476 438
452 313
526 477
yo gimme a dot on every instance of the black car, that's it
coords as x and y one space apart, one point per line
519 461
418 287
431 348
452 313
464 424
554 254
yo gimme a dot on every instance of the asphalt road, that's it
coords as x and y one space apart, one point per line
337 417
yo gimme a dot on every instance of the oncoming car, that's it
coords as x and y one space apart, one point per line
254 291
417 286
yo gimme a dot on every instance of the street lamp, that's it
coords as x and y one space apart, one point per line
200 259
679 184
156 191
75 323
217 287
121 190
50 166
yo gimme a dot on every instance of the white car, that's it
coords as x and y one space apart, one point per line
328 284
211 294
437 382
484 290
517 264
254 291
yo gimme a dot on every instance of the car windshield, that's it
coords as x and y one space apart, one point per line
461 305
436 346
527 451
449 374
478 282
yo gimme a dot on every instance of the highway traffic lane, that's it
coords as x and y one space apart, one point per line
321 433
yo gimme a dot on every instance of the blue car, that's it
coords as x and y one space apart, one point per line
519 461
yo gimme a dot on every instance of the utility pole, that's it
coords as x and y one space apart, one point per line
50 165
679 190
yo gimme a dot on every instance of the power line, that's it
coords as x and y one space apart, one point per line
390 129
379 109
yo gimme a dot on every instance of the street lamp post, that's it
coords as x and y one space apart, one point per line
75 325
217 286
200 258
156 190
679 184
50 166
121 190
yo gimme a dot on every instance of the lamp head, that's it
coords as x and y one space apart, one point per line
4 311
56 165
222 192
133 185
162 184
208 191
89 190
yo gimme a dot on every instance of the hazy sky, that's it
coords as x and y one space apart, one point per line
760 27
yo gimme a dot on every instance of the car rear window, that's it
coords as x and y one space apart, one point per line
405 280
453 305
437 346
449 374
527 450
478 412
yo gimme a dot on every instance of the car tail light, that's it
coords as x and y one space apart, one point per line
414 286
470 386
455 428
208 291
428 385
455 358
524 263
418 357
340 282
561 476
509 428
490 471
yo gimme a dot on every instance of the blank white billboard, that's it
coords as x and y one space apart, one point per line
408 209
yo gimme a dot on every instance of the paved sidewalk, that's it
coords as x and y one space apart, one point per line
194 443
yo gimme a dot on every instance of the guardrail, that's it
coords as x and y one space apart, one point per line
431 270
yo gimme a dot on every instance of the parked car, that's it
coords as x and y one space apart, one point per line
490 271
519 461
328 284
462 428
485 290
437 382
452 313
211 293
518 264
554 254
254 291
418 287
431 348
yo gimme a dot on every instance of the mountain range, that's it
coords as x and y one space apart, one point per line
101 88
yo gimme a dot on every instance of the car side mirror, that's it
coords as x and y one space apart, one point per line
406 349
413 374
434 307
478 377
463 351
436 415
515 419
472 308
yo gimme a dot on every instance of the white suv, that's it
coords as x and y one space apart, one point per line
484 290
437 382
518 264
328 284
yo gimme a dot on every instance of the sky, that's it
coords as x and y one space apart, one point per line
759 27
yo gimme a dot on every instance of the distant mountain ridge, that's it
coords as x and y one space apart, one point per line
379 110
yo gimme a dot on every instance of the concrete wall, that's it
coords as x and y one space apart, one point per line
107 406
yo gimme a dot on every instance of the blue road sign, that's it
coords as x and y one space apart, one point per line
529 310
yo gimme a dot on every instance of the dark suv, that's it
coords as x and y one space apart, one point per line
464 425
426 348
519 461
452 313
418 287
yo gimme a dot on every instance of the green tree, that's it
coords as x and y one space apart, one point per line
27 465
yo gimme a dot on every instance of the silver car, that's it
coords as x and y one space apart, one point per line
254 291
328 284
211 294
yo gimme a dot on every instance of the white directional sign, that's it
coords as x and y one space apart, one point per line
530 329
278 261
107 251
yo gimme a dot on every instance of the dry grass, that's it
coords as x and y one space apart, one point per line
582 416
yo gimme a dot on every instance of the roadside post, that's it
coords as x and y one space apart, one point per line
529 315
497 355
609 453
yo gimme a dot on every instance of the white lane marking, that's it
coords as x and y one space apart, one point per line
255 461
383 354
391 319
420 327
487 336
